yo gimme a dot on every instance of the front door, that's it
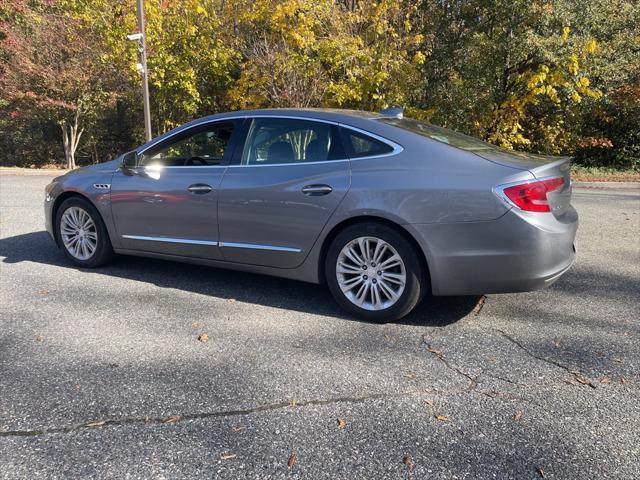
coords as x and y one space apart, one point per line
168 202
273 204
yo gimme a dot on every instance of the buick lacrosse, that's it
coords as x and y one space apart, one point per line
382 208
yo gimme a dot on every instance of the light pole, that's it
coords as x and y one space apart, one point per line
142 68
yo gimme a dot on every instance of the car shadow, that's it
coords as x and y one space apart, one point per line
229 284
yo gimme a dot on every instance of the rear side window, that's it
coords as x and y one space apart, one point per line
360 145
274 141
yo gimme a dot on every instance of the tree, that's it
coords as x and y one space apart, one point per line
52 72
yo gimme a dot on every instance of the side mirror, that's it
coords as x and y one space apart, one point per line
129 162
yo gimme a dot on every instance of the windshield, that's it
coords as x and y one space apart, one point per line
443 135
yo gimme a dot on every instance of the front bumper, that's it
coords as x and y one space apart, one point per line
517 252
48 211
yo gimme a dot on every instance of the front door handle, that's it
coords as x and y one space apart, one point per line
315 190
200 188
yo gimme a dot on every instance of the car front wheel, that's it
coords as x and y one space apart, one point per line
374 272
81 233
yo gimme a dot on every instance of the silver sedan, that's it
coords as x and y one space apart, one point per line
383 209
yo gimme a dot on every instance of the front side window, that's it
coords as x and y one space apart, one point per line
201 146
274 141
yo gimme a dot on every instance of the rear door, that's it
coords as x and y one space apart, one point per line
168 203
290 177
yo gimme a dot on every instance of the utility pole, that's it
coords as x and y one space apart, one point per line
142 48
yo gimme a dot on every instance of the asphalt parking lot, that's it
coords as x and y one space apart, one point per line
102 373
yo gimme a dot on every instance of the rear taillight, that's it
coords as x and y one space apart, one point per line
531 196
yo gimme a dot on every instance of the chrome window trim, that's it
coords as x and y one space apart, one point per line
171 240
161 167
290 164
397 148
255 246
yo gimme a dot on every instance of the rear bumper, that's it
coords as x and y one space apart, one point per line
517 252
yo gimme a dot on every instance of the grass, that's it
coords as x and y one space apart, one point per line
603 174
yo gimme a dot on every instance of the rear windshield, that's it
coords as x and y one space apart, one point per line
444 135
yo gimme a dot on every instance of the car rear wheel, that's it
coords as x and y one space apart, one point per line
374 272
81 233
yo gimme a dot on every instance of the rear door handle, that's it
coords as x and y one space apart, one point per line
200 188
315 190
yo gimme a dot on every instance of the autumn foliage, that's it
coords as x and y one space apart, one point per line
545 75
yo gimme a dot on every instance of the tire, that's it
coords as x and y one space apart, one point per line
384 277
76 210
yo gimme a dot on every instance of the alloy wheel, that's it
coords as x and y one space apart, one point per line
79 233
371 273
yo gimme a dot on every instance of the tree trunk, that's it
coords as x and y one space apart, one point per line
70 140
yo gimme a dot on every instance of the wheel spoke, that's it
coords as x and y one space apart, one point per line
363 243
353 256
362 293
396 278
388 291
349 269
349 284
381 247
375 296
391 262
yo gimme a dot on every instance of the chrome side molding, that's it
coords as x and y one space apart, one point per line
186 241
170 240
255 246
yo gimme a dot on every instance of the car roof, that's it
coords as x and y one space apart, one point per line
350 117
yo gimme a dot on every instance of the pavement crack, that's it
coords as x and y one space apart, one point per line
172 419
473 381
576 374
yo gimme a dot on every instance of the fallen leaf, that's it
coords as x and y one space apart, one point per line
172 419
623 380
232 299
237 428
147 419
39 338
540 471
341 423
98 423
518 415
478 308
196 324
605 379
203 337
617 360
228 456
43 292
584 381
293 459
557 344
442 418
408 462
434 350
294 402
429 402
410 375
569 382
